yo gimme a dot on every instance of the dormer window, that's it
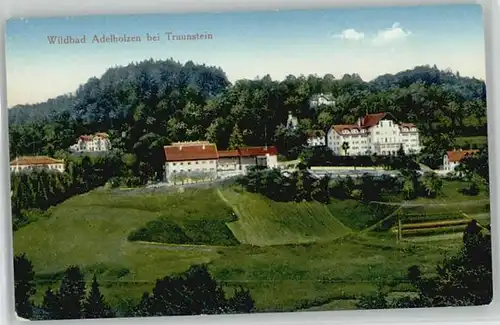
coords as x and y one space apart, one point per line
414 129
405 129
345 131
354 131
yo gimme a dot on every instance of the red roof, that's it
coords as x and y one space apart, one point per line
229 153
257 151
248 152
35 161
366 122
86 137
370 120
340 127
457 156
190 151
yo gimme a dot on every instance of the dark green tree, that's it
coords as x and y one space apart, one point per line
25 287
95 305
72 293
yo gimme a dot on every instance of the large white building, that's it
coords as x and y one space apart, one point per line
376 134
29 163
92 143
200 160
452 159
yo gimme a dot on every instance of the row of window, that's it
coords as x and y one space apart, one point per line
196 162
198 170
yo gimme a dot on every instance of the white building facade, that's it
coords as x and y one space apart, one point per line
31 163
188 162
374 134
316 138
98 142
452 159
321 99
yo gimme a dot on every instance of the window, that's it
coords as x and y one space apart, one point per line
182 163
197 162
173 164
189 163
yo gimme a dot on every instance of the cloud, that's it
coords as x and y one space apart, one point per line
350 35
388 35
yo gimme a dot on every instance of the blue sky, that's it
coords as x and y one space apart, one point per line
367 41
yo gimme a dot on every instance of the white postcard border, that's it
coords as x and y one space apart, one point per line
469 315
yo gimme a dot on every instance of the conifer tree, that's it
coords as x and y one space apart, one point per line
72 293
51 305
95 305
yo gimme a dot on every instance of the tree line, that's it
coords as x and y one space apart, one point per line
192 292
147 105
34 192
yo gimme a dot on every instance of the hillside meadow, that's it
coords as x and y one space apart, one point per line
292 256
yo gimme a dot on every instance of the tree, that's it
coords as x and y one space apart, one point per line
51 305
432 184
95 306
24 285
71 293
236 138
241 301
345 147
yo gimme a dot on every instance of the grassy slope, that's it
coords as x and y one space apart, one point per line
91 230
262 222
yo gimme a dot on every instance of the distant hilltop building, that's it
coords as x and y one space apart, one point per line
321 99
30 163
452 159
316 138
374 134
92 143
292 122
200 160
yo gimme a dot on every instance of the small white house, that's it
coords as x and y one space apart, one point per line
92 143
321 99
452 159
243 158
316 138
29 163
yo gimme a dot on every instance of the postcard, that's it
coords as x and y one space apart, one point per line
249 162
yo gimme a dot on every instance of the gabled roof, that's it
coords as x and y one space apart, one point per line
370 120
257 151
340 127
35 161
458 155
366 122
249 152
190 151
228 153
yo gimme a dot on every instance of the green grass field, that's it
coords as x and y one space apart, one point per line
293 256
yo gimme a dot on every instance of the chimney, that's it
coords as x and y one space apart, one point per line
203 147
460 149
180 147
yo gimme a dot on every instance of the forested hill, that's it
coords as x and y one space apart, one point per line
99 94
469 88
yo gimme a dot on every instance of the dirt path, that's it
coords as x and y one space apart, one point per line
175 247
411 204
